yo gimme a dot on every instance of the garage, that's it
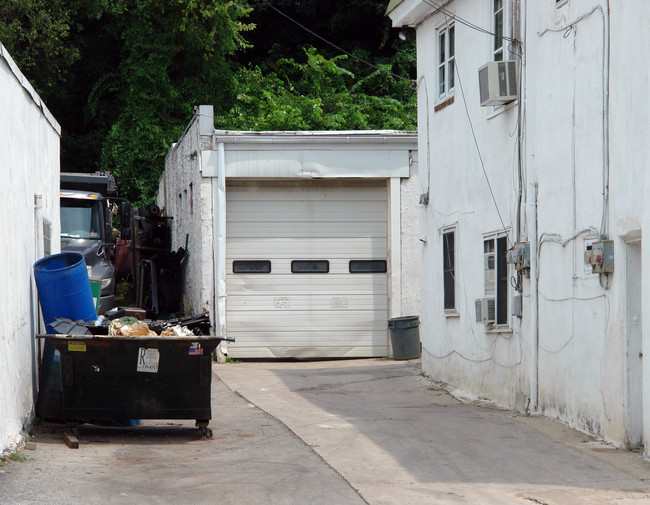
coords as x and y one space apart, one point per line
306 268
299 244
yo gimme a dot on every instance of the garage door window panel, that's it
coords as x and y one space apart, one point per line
367 266
251 267
310 266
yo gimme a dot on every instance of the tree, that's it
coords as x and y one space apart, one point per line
319 95
122 76
36 33
173 55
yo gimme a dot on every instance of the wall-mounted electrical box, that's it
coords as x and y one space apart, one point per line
485 310
519 255
517 306
600 256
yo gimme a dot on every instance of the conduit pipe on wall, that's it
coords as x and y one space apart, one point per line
35 319
534 316
220 271
606 61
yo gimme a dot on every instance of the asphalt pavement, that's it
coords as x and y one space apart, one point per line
252 459
399 439
329 432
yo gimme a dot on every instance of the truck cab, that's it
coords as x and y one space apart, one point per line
86 227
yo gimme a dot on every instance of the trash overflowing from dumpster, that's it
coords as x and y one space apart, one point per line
120 367
118 371
129 327
118 324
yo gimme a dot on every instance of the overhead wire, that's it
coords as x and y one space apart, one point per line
478 149
338 48
463 21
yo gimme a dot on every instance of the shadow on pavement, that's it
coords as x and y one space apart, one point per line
435 438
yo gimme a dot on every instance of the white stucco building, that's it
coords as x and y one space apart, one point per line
29 206
300 244
559 165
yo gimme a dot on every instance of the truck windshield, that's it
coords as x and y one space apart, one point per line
80 219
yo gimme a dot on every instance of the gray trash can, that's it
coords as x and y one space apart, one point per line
405 337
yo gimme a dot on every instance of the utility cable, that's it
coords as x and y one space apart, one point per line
480 156
455 17
478 149
338 48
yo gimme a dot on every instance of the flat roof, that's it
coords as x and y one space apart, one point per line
316 136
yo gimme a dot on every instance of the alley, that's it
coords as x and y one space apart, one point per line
252 459
399 440
329 432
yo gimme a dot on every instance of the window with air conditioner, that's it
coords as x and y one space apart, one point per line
495 269
499 77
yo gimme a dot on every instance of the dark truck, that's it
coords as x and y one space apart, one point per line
87 204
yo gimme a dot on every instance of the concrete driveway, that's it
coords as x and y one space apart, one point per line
328 433
398 440
253 459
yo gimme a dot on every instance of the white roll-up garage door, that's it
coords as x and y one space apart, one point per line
306 268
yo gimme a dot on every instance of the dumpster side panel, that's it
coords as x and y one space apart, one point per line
106 379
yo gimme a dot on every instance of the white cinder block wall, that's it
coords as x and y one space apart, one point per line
411 246
29 166
187 197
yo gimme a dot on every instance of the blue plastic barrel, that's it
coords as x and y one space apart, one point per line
64 291
64 288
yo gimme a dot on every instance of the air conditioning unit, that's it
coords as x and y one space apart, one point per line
498 82
485 310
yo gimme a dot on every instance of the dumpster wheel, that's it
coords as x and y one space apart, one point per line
203 427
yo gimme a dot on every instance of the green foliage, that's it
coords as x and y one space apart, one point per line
123 76
174 54
319 94
18 457
36 32
124 293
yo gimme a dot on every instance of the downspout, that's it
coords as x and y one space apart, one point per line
534 292
221 244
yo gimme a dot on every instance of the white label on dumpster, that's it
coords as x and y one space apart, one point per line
148 360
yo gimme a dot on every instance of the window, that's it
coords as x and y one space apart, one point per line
367 266
251 267
310 266
446 60
449 277
497 21
81 219
496 275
